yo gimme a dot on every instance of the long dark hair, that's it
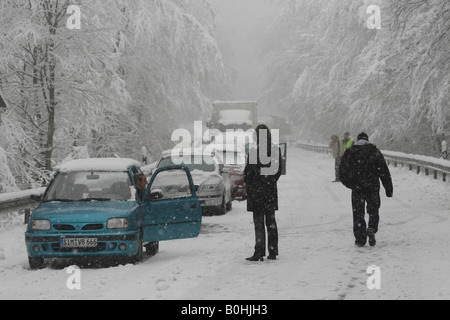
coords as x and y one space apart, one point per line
265 134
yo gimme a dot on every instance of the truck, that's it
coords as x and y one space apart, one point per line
234 115
282 124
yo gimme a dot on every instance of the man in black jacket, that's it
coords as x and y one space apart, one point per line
362 167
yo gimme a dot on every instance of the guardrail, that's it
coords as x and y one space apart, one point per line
20 201
438 168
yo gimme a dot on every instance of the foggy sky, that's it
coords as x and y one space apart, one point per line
237 25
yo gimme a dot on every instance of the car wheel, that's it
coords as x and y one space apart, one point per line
222 209
152 248
230 204
36 263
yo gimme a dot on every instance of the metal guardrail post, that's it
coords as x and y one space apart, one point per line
27 215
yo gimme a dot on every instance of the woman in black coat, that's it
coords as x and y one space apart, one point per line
261 174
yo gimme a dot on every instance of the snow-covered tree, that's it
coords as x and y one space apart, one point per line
53 74
121 75
334 74
173 67
7 180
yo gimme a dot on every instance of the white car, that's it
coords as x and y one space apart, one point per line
211 178
233 156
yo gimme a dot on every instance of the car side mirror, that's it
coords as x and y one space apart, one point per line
283 148
156 195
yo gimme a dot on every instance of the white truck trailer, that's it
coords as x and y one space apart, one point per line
234 115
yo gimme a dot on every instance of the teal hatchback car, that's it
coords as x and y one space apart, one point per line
98 208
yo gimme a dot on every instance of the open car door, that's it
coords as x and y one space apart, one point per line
171 207
283 148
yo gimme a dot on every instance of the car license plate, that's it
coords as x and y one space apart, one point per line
78 242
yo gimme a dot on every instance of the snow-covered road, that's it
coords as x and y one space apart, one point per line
318 259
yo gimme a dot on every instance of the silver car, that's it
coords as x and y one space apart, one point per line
211 178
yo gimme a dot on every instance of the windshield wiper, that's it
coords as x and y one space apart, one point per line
58 200
94 199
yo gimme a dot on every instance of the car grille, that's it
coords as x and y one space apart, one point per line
88 227
63 227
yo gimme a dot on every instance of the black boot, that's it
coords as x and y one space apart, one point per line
360 244
272 257
371 235
256 257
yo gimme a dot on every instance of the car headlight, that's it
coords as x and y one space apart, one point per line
117 223
210 187
42 225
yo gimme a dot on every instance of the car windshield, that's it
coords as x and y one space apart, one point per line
89 186
193 163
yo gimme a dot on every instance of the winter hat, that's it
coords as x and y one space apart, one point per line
363 136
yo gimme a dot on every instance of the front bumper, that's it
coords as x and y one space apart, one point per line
41 245
211 201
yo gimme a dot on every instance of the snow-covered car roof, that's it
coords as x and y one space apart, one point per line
185 151
196 152
227 147
98 164
229 137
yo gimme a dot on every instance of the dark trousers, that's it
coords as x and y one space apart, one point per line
261 220
337 163
359 201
